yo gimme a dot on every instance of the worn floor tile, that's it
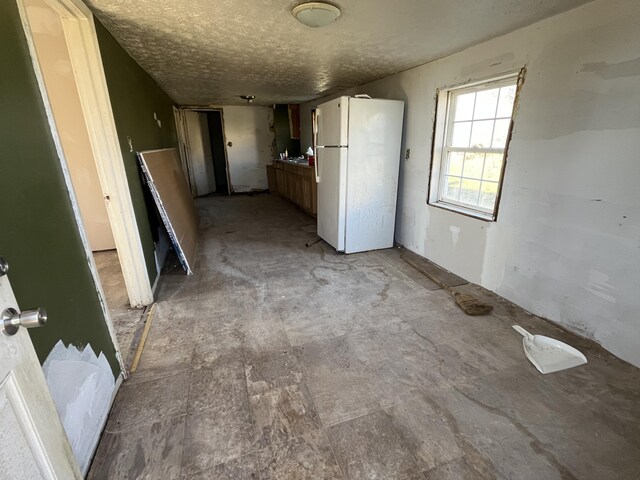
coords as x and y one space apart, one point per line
309 326
425 431
497 441
370 447
263 331
461 469
308 457
213 344
219 384
338 382
217 435
242 468
168 345
272 369
285 412
219 425
144 451
148 402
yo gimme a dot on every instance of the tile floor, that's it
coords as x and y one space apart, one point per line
278 361
126 320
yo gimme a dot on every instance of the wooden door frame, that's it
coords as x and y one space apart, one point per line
84 52
183 137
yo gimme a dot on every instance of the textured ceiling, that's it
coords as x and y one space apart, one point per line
205 52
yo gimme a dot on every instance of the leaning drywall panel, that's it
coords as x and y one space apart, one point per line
565 245
249 142
166 180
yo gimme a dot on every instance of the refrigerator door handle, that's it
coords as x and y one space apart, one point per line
315 163
315 125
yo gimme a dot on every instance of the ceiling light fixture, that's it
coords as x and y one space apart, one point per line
248 98
316 14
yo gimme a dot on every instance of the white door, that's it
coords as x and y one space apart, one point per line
333 121
332 193
34 444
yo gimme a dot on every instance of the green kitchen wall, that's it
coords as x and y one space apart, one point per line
283 132
39 236
144 119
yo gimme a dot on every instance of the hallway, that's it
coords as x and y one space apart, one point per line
281 361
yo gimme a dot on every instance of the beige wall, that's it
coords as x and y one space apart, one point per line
53 57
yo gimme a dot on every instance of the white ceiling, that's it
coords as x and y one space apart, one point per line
204 52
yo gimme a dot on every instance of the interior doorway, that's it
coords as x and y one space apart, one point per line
67 61
216 137
204 150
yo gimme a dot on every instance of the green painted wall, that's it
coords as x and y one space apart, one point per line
38 233
135 97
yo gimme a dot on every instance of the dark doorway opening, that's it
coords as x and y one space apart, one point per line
216 135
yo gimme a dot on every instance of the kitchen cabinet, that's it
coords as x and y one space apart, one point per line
296 183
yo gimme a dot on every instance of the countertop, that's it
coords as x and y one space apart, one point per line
293 162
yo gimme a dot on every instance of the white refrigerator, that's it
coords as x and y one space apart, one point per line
358 143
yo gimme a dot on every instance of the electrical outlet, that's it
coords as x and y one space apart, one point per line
407 154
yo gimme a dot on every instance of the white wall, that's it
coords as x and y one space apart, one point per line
201 159
566 244
55 63
247 128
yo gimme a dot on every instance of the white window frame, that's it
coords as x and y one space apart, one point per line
442 132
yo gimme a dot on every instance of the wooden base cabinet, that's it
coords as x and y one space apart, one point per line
296 183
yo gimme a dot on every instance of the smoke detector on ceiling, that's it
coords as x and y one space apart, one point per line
316 14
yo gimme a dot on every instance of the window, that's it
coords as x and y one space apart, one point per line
473 126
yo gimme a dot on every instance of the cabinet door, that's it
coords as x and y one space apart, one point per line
298 191
305 185
280 182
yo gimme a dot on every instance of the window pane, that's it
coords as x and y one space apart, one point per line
500 133
455 163
505 105
470 191
488 193
460 136
473 165
481 134
492 167
451 188
486 102
464 106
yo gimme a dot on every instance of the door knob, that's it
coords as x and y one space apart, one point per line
4 267
12 320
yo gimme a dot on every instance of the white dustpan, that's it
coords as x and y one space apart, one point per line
547 354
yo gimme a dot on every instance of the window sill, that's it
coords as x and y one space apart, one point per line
485 217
